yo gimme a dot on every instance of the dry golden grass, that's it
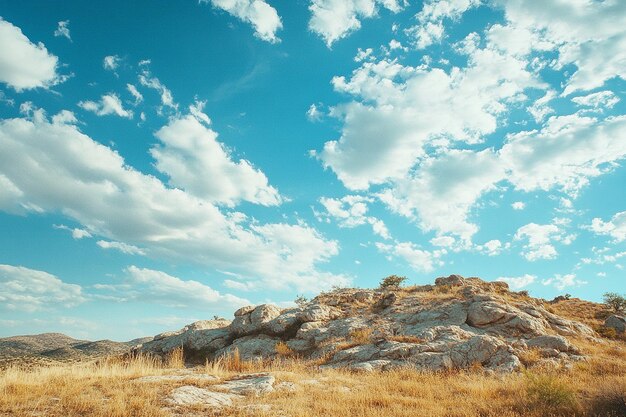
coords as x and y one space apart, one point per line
108 388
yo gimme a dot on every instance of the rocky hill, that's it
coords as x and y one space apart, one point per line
53 347
457 323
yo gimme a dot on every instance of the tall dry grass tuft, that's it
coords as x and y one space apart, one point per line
361 336
549 392
175 359
284 351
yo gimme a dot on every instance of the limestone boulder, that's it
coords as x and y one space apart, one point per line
189 395
253 321
248 384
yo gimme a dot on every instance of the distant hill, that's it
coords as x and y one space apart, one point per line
53 347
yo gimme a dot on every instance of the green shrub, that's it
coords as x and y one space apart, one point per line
391 282
550 393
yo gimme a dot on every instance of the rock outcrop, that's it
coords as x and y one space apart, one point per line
457 323
618 323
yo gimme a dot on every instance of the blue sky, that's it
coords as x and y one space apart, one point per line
163 162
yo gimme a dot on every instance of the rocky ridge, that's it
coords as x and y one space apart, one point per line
457 323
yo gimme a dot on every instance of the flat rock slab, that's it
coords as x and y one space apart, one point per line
252 384
175 378
189 395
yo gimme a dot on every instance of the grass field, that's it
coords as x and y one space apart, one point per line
108 388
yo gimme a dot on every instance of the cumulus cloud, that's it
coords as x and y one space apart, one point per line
440 195
418 259
30 290
517 283
590 35
193 159
600 100
335 19
540 240
76 232
399 110
565 154
313 113
263 17
492 248
518 205
111 62
351 211
47 167
561 282
23 64
430 28
108 104
616 227
63 30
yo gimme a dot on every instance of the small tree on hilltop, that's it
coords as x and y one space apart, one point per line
615 301
301 300
391 282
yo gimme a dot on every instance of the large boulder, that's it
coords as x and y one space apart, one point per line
453 280
190 395
252 321
616 322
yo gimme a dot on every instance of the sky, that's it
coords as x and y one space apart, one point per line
163 162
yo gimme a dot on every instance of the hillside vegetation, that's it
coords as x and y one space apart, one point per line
583 374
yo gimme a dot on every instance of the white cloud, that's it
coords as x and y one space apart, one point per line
492 247
120 246
363 54
24 65
135 93
351 211
441 194
517 283
47 167
418 259
588 34
540 108
108 104
616 227
400 110
111 62
193 159
540 240
566 153
77 233
335 19
147 80
30 290
561 282
430 28
443 241
313 113
600 100
263 17
63 29
518 205
161 288
240 285
64 117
